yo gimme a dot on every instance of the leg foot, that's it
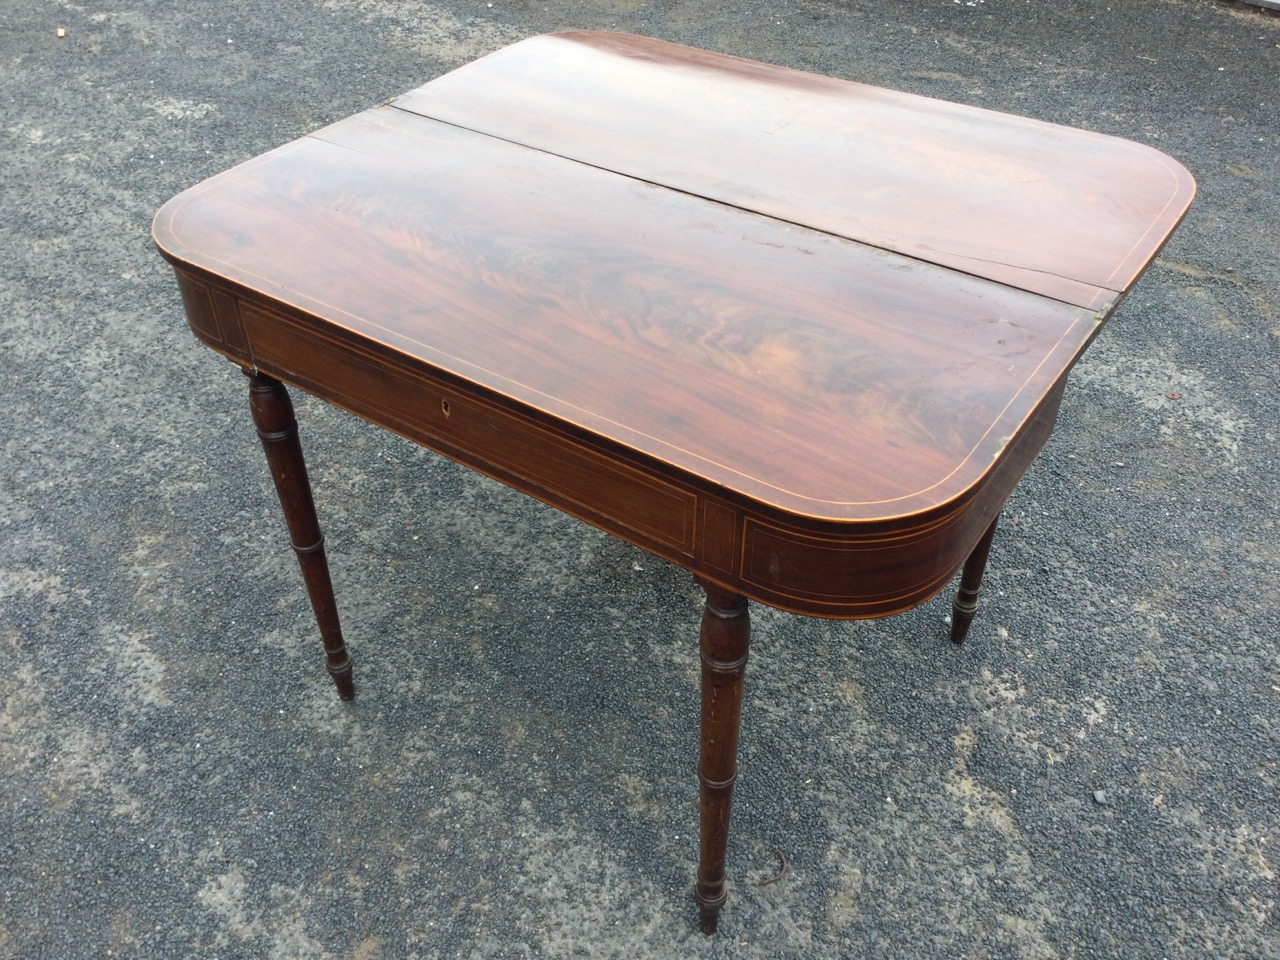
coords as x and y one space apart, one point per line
709 917
965 604
273 415
725 637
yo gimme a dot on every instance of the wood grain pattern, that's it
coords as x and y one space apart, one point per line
1061 212
647 357
749 353
788 560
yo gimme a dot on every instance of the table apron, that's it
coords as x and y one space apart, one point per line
843 570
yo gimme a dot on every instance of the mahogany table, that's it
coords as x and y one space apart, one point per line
800 336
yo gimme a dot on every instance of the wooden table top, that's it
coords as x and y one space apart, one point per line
1045 208
837 302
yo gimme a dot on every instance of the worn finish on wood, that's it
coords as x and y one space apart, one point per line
965 604
799 336
724 641
1041 207
273 415
651 358
678 354
729 349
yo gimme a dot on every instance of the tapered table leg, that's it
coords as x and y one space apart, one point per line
725 636
273 415
965 604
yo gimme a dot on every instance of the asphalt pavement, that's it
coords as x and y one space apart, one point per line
1093 775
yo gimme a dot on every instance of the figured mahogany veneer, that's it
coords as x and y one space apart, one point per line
797 335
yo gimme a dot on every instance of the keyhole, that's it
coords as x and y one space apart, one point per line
444 407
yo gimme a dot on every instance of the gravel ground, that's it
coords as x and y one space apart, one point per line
1094 775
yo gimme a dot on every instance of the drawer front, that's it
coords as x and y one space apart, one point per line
526 455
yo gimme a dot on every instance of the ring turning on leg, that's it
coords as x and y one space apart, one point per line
273 415
724 639
965 604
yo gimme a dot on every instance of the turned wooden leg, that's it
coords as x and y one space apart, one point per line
965 604
273 415
725 636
